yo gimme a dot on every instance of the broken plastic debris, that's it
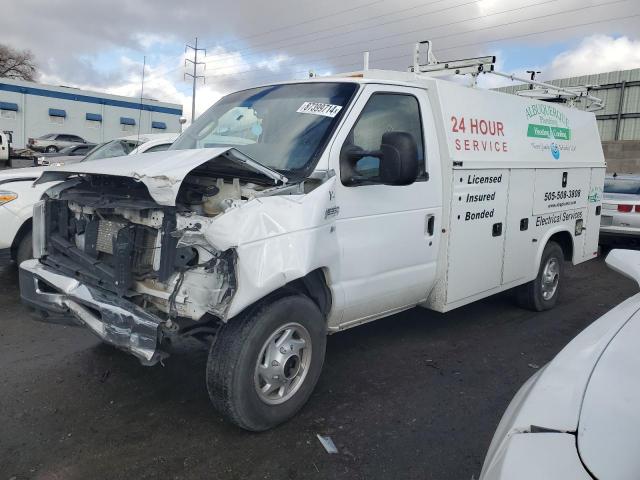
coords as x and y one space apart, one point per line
533 365
327 443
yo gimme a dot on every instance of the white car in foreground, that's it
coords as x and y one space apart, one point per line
579 416
18 194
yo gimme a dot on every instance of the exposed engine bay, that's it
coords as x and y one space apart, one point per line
108 232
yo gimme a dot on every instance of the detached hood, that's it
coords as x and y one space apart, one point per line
162 172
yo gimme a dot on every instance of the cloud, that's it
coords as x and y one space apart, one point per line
595 54
157 85
100 45
273 63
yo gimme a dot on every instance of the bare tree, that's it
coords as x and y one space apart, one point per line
18 64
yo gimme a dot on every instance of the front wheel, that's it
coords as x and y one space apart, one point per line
264 365
24 250
51 149
542 293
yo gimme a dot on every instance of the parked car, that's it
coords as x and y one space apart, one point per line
620 220
65 155
5 148
132 145
578 417
18 194
54 142
289 211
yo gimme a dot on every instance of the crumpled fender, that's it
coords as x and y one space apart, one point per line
278 239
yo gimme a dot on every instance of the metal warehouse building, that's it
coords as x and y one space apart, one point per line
619 120
30 109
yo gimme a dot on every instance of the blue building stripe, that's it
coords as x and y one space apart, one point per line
159 125
9 106
41 92
56 112
96 117
127 121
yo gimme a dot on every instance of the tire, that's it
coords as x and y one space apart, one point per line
237 365
542 293
51 149
24 250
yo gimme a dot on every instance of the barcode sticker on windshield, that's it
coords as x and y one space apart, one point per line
317 108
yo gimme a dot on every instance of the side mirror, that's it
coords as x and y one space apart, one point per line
395 163
399 163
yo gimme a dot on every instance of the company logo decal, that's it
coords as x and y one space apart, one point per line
595 195
548 122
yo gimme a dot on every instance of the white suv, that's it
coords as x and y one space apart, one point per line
18 194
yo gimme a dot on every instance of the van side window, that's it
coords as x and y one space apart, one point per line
384 112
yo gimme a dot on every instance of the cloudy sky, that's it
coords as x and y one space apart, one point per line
100 45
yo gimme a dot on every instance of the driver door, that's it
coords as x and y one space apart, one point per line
387 233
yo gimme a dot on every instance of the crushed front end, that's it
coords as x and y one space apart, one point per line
134 272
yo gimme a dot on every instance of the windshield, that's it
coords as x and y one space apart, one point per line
114 148
283 127
623 185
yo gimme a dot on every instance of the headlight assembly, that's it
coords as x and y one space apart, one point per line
6 196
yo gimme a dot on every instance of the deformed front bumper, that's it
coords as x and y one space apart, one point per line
65 300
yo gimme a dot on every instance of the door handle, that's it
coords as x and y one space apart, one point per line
430 222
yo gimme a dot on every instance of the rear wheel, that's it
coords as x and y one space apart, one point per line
264 365
51 149
542 292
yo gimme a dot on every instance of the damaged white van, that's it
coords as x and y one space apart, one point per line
290 211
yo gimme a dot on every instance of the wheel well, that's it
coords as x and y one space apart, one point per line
313 285
22 231
565 241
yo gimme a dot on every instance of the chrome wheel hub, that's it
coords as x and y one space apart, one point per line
550 278
283 363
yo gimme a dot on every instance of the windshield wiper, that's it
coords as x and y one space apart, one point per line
236 155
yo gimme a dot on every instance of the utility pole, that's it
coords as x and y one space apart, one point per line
144 65
194 76
533 77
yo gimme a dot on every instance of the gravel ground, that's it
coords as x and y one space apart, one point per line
416 395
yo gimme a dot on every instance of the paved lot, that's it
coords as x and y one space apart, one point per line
417 395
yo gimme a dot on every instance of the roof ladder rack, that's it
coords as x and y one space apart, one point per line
434 68
550 92
476 66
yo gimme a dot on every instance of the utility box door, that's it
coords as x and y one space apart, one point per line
476 240
592 222
561 189
519 249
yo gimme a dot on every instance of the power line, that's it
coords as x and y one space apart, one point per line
305 22
235 53
403 44
275 30
239 51
333 57
334 27
475 43
440 25
523 35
